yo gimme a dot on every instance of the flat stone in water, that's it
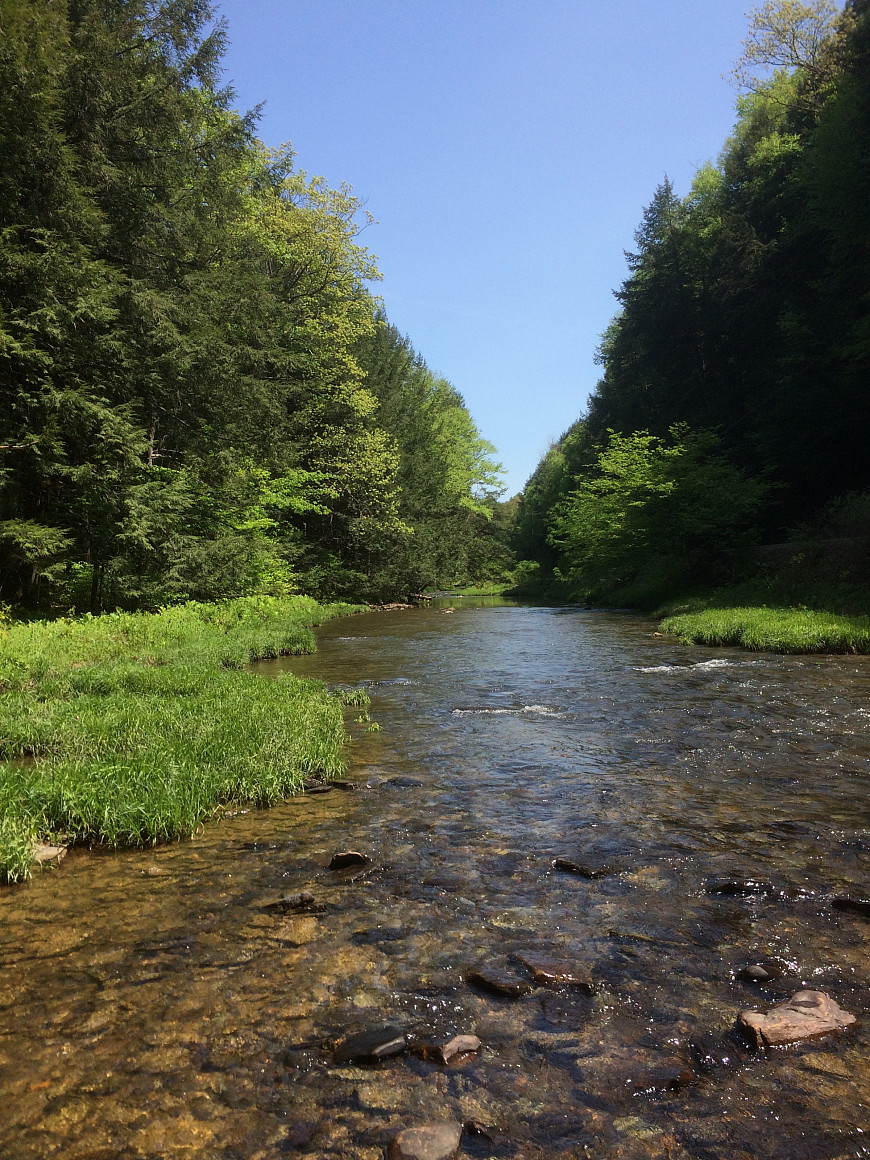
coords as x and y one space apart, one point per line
349 859
849 903
371 1046
549 972
498 982
806 1015
435 1141
746 887
582 869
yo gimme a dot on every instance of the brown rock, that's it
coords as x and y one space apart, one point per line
552 973
806 1015
347 859
498 982
435 1141
458 1046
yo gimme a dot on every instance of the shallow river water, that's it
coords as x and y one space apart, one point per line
153 1005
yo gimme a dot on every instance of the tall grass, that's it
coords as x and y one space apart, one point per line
782 630
135 728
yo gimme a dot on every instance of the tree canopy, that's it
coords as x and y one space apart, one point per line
190 401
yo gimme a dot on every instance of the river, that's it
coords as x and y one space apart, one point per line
153 1004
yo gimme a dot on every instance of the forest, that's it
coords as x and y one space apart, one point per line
200 395
732 413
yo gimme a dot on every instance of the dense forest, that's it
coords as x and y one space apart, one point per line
733 407
199 394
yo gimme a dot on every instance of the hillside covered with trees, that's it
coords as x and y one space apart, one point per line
199 395
733 406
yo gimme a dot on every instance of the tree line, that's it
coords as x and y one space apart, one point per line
199 394
733 403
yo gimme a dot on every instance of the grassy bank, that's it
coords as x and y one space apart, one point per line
770 615
783 630
135 728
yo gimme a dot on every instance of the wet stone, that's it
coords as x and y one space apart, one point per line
851 904
562 1012
498 982
739 887
762 972
590 869
434 1141
806 1015
371 1046
299 901
549 972
379 934
298 1135
454 1049
668 1075
712 1052
349 860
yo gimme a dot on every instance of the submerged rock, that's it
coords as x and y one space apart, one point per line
806 1015
371 1046
549 972
301 901
435 1141
405 782
349 859
762 972
745 887
589 869
499 982
850 903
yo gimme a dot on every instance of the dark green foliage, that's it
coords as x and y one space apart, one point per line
183 409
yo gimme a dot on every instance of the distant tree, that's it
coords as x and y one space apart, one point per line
675 506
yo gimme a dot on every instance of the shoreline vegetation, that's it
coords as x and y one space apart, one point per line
132 729
757 615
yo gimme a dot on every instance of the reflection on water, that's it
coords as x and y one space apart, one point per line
153 1005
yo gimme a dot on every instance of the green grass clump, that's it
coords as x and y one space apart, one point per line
135 728
782 630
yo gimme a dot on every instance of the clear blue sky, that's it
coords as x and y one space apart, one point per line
506 149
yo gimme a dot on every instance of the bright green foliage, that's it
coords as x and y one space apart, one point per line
783 630
142 726
446 481
676 506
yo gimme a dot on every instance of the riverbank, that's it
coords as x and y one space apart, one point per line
131 729
770 617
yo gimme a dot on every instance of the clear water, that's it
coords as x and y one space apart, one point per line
151 1006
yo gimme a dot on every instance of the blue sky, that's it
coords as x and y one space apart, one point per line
506 149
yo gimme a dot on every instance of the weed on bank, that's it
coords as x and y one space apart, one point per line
135 728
